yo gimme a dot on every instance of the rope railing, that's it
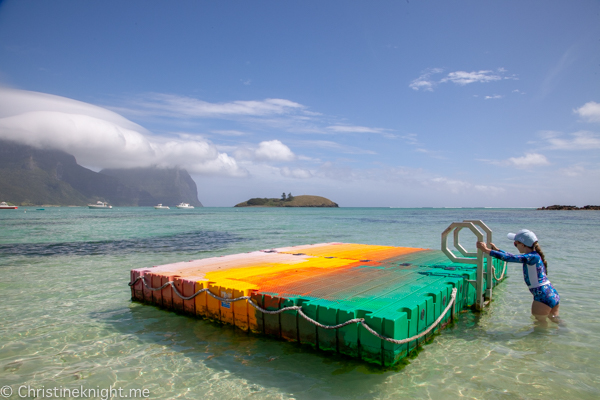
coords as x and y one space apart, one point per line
301 313
496 261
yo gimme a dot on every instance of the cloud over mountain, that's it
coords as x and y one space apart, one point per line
100 138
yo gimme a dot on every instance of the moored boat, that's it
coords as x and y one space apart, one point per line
99 204
5 206
184 206
161 207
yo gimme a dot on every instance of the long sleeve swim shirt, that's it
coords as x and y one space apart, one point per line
533 268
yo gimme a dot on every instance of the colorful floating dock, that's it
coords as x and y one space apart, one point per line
377 303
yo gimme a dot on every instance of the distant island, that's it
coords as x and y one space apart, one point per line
289 201
559 207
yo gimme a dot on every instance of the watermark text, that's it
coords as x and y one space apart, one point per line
80 392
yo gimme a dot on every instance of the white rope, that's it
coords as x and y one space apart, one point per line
301 313
435 323
503 269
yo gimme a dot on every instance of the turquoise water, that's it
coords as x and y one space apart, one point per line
67 320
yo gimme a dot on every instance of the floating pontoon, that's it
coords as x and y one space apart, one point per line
377 303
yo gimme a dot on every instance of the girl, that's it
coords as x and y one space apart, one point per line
535 270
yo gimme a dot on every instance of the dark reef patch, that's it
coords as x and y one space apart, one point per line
181 242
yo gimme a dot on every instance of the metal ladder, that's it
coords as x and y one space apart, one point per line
473 258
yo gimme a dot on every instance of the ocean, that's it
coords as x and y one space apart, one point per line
67 320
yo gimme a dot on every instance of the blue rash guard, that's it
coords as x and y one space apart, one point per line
534 274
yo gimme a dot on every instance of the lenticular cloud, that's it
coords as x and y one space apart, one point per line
92 140
100 138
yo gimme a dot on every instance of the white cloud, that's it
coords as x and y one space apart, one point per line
334 146
86 137
274 150
249 116
297 173
464 78
100 138
199 157
496 96
582 140
528 160
424 81
461 78
354 129
361 129
15 101
589 111
246 115
411 138
182 106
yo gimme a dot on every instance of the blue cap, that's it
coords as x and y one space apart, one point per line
524 236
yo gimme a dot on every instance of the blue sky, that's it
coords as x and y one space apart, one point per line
388 103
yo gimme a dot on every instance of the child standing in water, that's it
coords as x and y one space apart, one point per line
535 272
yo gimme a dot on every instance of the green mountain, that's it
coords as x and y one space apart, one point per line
169 186
29 175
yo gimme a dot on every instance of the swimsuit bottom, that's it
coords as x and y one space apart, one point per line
546 294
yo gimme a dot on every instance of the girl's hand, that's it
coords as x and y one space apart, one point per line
493 247
483 247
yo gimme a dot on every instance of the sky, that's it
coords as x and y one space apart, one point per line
440 103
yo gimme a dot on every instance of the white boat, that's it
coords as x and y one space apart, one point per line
4 206
185 206
99 204
161 207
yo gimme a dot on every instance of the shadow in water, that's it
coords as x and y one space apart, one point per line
261 360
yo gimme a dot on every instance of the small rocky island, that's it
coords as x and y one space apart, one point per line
289 201
559 207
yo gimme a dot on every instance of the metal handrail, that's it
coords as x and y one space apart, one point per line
472 258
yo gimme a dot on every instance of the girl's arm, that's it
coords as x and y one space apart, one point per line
502 255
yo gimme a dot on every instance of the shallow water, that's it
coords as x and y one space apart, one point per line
67 320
